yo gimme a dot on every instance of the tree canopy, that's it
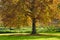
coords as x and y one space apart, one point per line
22 12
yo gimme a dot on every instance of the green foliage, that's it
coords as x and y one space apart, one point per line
45 29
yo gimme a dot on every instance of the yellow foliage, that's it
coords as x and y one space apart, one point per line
24 12
15 1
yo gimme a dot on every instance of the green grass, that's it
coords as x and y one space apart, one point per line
29 38
28 30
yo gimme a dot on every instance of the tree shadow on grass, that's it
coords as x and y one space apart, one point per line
28 36
36 36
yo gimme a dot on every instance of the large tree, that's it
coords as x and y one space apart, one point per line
16 13
38 10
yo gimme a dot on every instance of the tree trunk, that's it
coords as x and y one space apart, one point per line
33 26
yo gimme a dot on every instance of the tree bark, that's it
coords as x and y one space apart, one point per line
33 26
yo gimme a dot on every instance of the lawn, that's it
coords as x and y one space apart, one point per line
30 37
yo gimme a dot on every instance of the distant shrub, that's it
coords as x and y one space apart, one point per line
50 29
27 32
